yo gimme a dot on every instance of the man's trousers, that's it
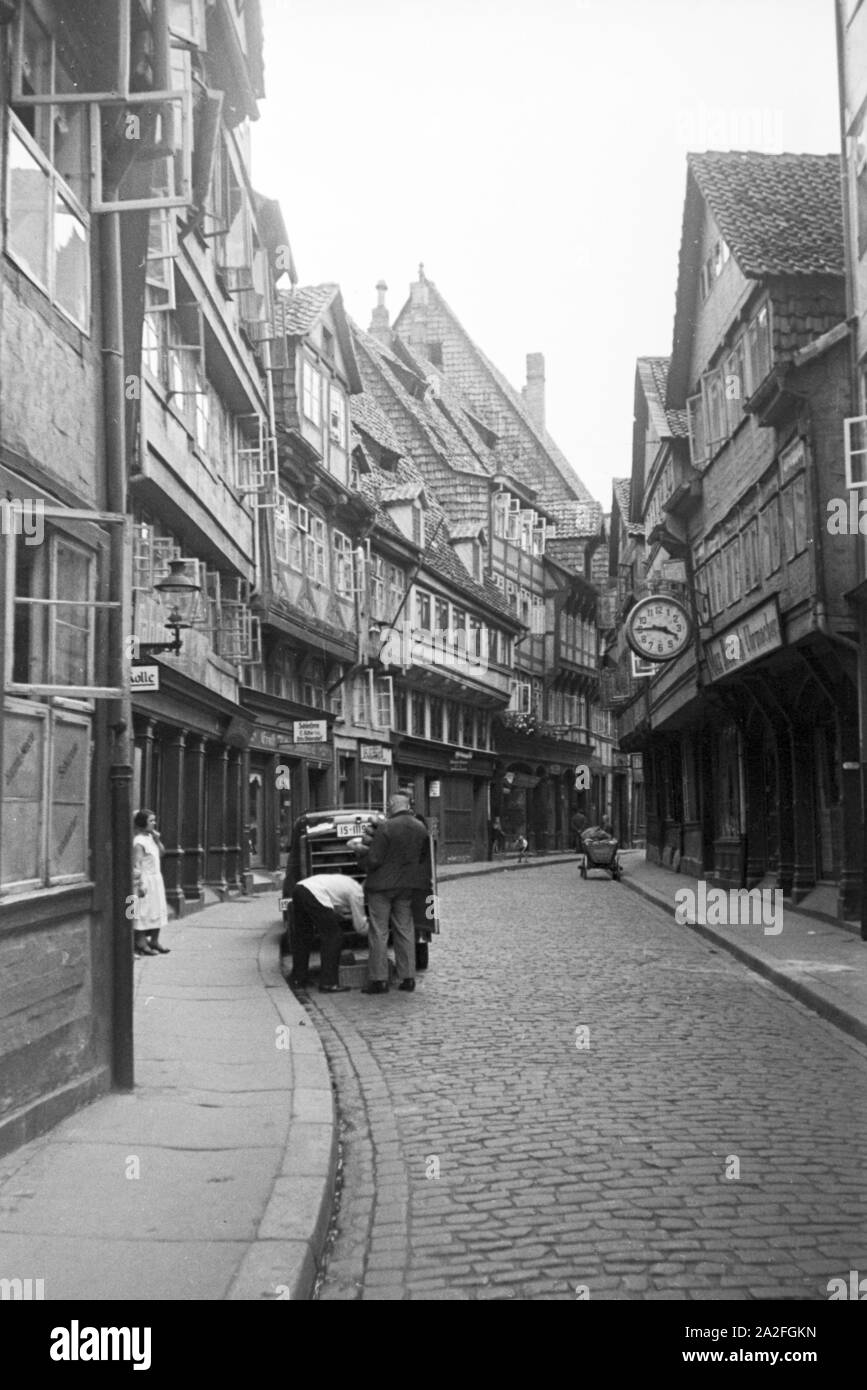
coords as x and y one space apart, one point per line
310 915
394 905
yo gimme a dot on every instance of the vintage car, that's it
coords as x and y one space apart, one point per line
328 842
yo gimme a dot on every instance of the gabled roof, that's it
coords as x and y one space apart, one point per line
621 489
781 215
653 376
439 558
297 311
518 453
442 442
577 519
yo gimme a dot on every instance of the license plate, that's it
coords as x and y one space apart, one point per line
344 832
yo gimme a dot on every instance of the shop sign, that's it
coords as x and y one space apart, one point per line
434 789
745 641
269 740
311 730
459 765
144 678
375 753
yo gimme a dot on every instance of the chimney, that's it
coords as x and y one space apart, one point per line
380 328
534 392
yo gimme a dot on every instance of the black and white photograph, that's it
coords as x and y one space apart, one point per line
433 664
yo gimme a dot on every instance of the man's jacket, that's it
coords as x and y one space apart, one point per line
398 854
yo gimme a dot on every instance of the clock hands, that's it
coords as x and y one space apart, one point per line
654 627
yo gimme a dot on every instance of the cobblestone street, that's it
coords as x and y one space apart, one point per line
700 1140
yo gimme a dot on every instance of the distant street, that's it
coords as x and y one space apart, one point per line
493 1151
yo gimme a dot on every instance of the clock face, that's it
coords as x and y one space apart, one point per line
658 628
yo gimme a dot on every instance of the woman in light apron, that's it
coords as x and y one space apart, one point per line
151 909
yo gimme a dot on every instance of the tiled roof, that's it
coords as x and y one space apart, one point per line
464 532
298 310
439 557
781 214
523 444
577 518
402 492
653 373
368 415
622 488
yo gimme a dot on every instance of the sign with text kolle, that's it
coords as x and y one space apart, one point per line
144 678
750 638
310 730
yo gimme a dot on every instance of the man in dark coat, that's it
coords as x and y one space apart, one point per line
395 864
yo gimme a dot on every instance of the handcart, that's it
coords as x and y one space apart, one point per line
599 852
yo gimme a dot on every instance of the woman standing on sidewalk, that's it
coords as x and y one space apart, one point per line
151 908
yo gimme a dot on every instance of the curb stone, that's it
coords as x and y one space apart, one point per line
283 1260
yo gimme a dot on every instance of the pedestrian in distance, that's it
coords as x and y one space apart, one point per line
498 837
395 864
151 908
321 903
522 844
579 825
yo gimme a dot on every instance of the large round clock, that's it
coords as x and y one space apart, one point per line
658 628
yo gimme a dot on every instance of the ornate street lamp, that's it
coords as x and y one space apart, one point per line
185 599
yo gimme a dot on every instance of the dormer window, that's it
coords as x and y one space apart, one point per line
435 353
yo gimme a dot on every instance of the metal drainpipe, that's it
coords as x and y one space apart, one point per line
120 711
852 320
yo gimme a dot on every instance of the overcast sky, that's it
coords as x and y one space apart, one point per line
532 154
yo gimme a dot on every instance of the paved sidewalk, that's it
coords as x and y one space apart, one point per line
214 1179
823 965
